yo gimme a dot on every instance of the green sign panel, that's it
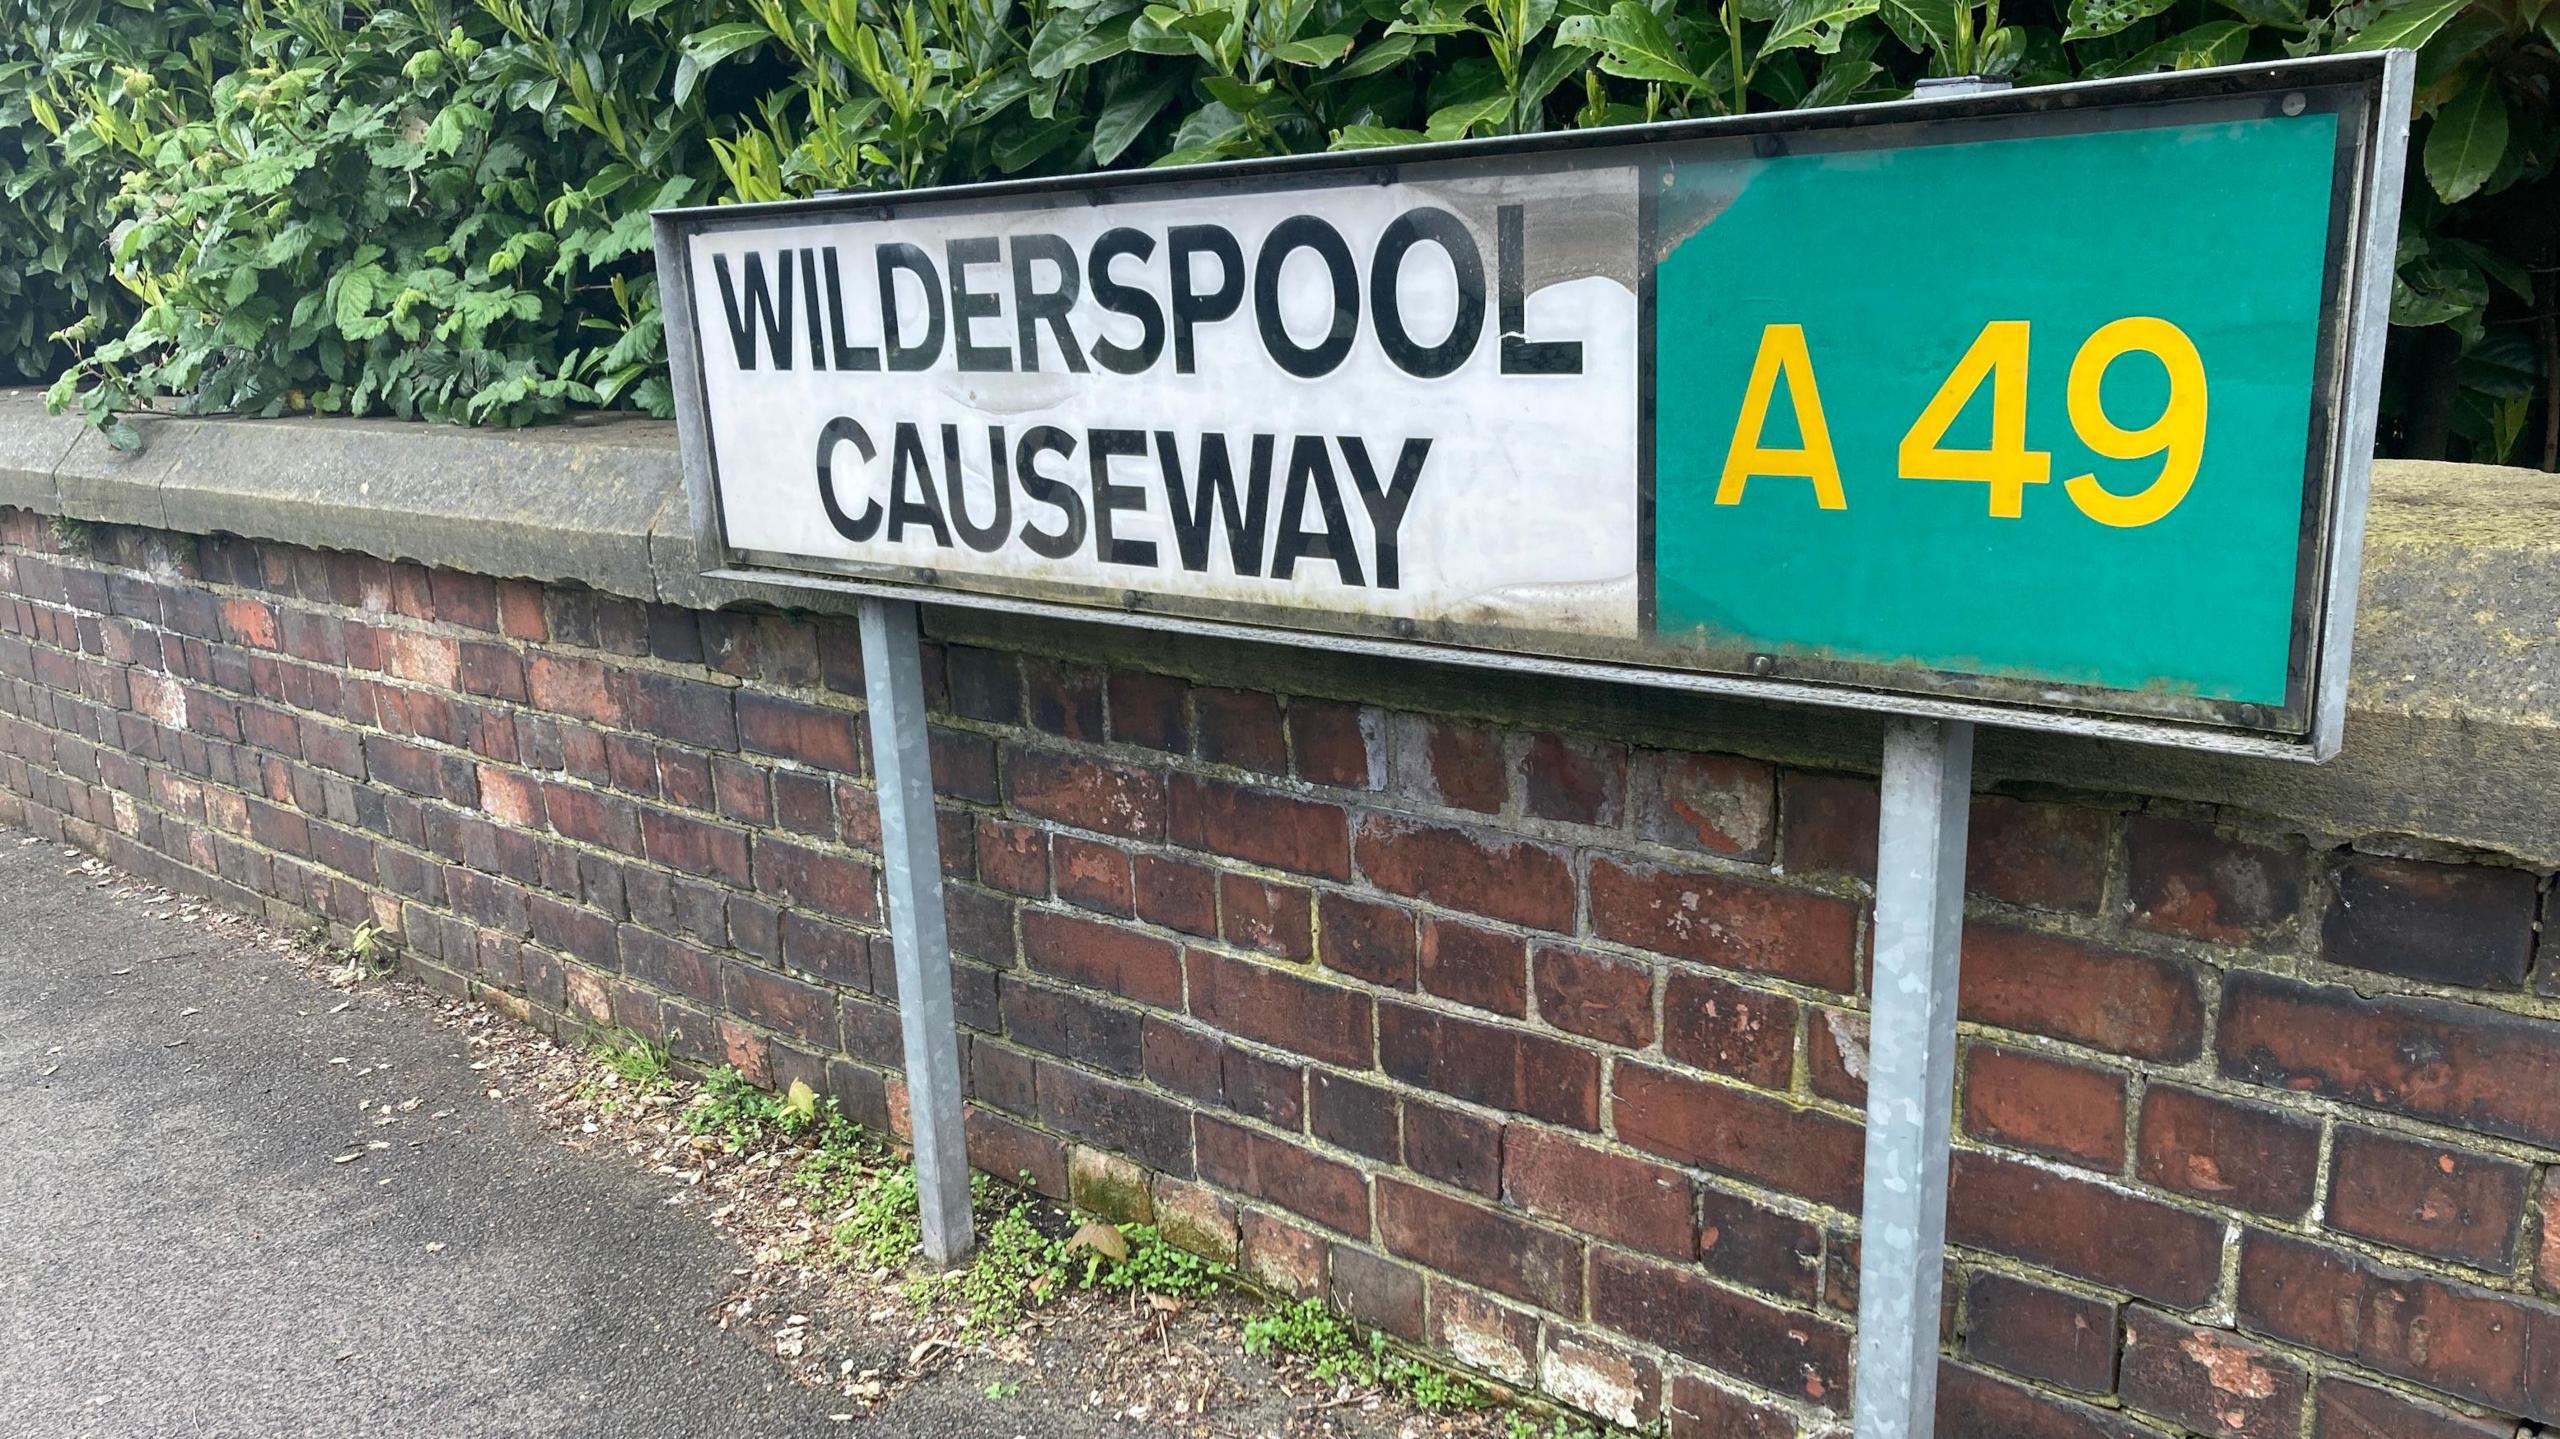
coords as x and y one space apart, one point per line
2037 410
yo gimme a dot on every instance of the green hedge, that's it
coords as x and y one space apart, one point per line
438 208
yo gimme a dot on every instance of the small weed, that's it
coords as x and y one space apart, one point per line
634 1069
1517 1425
1003 1388
731 1107
1340 1354
366 955
885 1223
1017 1269
74 537
836 1169
1154 1266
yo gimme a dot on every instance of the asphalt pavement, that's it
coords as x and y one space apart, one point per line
181 1253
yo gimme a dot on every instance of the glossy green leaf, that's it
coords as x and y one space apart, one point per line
2405 26
2467 140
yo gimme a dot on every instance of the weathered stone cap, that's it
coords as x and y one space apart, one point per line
2453 730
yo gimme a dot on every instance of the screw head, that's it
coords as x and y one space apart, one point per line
2295 104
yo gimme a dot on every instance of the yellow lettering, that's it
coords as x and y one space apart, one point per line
1782 356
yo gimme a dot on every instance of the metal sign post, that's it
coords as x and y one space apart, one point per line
911 848
1911 1072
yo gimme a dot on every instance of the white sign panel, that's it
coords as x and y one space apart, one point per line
1391 401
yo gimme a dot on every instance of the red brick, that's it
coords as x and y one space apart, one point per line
1103 956
1454 1147
2461 924
1269 1005
803 1011
1154 1131
1149 709
1829 824
1359 1117
1836 1055
1609 1196
1332 744
1497 1065
1597 996
1740 1132
250 622
1480 871
1013 856
1184 1060
814 735
1377 1292
687 844
602 820
2045 1106
510 798
1784 1350
1481 968
2472 1343
2428 1198
1712 1024
1020 1153
1710 802
2351 1409
1699 1410
2209 1380
2478 1068
2186 878
2042 856
1281 1256
1273 918
1446 762
830 883
2045 1334
1261 827
1366 940
2084 1230
2262 1160
1066 699
1177 894
1733 924
1241 728
1575 781
520 611
1481 1246
687 711
2136 1005
1091 875
1480 1333
1750 1244
1329 1192
1974 1405
468 600
1071 1025
983 684
1108 798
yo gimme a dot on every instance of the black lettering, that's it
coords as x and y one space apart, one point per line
1110 499
764 307
1386 506
1189 506
1409 229
1121 299
968 304
1190 309
1520 354
989 537
848 357
1049 439
893 257
1033 306
1295 233
844 429
1310 460
817 320
907 462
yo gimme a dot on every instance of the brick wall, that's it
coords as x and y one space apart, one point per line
1540 1048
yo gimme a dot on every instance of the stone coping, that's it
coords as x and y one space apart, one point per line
2453 729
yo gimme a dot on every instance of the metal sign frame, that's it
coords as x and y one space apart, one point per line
2353 322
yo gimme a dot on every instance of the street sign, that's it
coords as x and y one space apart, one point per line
2048 408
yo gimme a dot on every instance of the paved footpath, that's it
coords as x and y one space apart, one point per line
179 1255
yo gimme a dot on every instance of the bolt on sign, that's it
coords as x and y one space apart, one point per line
2048 408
